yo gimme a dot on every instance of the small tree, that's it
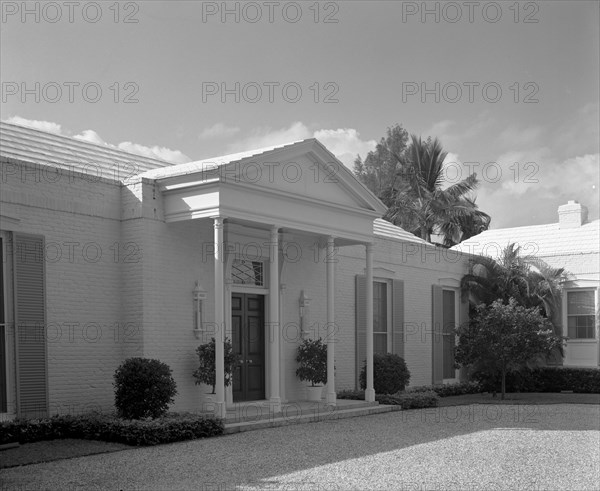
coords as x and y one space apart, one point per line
143 388
312 358
505 338
206 373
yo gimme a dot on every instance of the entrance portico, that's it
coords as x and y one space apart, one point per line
271 197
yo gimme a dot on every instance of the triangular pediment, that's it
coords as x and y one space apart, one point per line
301 184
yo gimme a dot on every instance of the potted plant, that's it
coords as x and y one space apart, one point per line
312 360
206 373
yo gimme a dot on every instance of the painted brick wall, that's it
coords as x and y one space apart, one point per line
79 217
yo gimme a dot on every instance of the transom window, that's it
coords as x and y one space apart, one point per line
581 320
244 272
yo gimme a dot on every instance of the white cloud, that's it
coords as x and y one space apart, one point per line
91 136
219 130
345 144
48 126
155 152
267 137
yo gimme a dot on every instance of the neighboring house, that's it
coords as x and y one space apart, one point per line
573 244
108 255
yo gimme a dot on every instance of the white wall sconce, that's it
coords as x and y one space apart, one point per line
304 313
199 297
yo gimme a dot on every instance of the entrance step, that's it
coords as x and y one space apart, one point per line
305 413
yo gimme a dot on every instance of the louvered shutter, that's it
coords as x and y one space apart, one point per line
398 317
464 321
361 325
30 322
437 360
3 357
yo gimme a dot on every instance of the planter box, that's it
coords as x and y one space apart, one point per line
314 394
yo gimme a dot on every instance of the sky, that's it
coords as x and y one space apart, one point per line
510 88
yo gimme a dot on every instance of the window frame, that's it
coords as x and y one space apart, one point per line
389 300
566 317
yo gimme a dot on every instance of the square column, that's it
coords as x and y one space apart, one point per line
370 391
330 260
275 398
220 409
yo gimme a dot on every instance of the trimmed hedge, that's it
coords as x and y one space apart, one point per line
167 429
406 400
548 379
446 390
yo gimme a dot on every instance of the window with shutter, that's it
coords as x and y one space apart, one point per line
30 322
388 319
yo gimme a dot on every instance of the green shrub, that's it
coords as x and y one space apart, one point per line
357 395
95 426
143 388
410 400
390 374
206 373
446 390
546 379
312 361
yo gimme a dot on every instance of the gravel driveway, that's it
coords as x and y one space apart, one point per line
462 447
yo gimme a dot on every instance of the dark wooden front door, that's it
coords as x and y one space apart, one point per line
248 339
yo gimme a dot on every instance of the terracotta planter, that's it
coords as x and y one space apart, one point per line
314 394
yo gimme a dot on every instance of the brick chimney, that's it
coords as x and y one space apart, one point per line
572 215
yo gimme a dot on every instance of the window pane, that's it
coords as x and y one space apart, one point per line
580 303
572 331
380 343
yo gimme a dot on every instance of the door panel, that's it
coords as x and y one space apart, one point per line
248 326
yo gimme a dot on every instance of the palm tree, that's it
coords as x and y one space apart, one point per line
527 279
418 203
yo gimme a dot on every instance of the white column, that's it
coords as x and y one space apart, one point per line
370 391
220 409
275 398
330 260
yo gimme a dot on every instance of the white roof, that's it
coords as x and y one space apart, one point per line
213 162
383 228
24 144
540 240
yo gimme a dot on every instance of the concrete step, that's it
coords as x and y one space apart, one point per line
330 414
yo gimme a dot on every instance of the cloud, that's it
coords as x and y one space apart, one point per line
344 143
48 126
155 152
219 130
267 137
92 137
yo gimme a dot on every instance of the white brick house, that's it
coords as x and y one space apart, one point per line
573 243
103 251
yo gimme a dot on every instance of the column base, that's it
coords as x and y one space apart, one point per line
331 398
370 395
275 404
220 410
